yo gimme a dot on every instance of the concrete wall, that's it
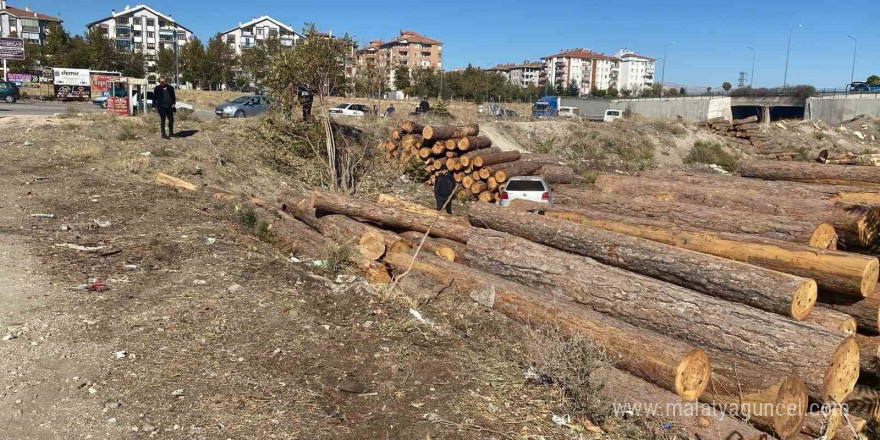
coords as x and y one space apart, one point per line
689 109
834 110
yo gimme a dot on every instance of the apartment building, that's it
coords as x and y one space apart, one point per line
258 30
635 72
583 67
409 49
526 74
143 29
31 26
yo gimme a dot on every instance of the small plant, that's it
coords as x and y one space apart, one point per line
247 218
712 153
339 257
71 112
819 135
262 231
160 152
415 170
544 145
126 132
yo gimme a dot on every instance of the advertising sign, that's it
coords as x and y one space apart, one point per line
25 80
118 106
100 84
11 49
72 83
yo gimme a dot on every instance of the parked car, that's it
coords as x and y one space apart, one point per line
531 188
612 114
860 86
350 109
242 107
9 92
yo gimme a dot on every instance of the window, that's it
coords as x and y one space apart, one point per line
181 36
260 31
525 185
230 38
151 22
11 22
136 21
151 46
273 33
247 41
136 33
29 25
151 35
162 23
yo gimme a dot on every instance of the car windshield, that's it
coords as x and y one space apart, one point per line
240 100
525 185
342 106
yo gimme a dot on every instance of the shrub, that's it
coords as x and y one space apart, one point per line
126 132
712 153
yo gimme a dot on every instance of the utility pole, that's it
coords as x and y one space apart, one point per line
663 71
176 59
787 53
852 76
752 78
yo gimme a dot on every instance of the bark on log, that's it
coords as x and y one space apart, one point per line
744 121
434 244
470 143
467 157
478 187
699 420
865 403
829 424
777 292
812 173
436 132
869 349
827 361
816 234
502 172
857 225
174 182
834 271
390 200
559 174
664 361
421 288
866 311
390 216
485 160
832 320
486 197
412 127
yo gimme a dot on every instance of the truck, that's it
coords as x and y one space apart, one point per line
574 107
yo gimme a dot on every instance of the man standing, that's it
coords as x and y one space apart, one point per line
444 186
164 101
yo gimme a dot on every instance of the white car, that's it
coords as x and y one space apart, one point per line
349 109
569 112
178 105
612 114
531 188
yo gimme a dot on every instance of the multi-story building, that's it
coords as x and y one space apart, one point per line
526 74
31 26
144 29
635 72
409 49
582 67
258 30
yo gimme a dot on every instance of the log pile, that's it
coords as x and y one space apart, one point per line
713 290
739 130
478 167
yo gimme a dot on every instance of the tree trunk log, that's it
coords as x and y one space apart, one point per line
777 292
420 287
869 349
857 225
437 246
478 187
865 403
842 272
812 173
292 236
504 171
485 160
389 200
466 158
559 174
412 127
815 234
832 320
866 311
470 143
390 216
436 132
664 361
827 361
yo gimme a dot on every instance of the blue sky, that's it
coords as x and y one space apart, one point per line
711 37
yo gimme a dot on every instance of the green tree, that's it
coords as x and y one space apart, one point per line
372 80
220 62
708 90
626 92
873 80
613 92
573 89
133 64
726 86
401 78
165 65
672 92
193 63
682 91
560 89
102 54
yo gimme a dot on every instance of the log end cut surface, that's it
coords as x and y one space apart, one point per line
790 408
824 237
692 375
870 276
841 376
804 299
372 245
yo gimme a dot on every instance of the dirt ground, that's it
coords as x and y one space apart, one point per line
176 323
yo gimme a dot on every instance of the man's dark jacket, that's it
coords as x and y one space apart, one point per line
159 99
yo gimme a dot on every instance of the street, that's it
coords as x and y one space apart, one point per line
49 108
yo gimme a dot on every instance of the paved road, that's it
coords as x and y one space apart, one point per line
49 108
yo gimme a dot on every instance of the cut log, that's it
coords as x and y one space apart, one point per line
505 171
467 181
448 249
450 144
866 311
864 402
486 197
450 163
412 127
391 216
478 187
832 320
485 160
389 200
425 152
558 174
491 184
826 360
816 234
777 292
395 135
869 349
834 271
867 176
437 132
371 244
438 148
474 143
420 288
485 173
292 236
410 141
664 361
857 225
748 120
165 179
466 157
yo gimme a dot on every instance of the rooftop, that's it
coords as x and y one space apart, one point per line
27 13
586 54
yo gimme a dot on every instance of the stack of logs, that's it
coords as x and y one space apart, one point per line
739 130
479 168
734 294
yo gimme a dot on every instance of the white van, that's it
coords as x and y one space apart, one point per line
569 112
612 114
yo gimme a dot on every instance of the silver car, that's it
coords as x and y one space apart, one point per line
242 107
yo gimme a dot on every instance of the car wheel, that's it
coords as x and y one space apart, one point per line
10 99
239 114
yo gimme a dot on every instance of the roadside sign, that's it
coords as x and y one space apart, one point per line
11 49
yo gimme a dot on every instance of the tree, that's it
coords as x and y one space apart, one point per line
708 90
102 53
401 78
220 61
682 91
193 63
573 89
873 80
672 91
165 65
626 92
133 64
726 86
613 92
560 89
372 80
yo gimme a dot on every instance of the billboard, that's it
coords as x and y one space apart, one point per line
118 106
11 49
100 84
25 80
72 83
